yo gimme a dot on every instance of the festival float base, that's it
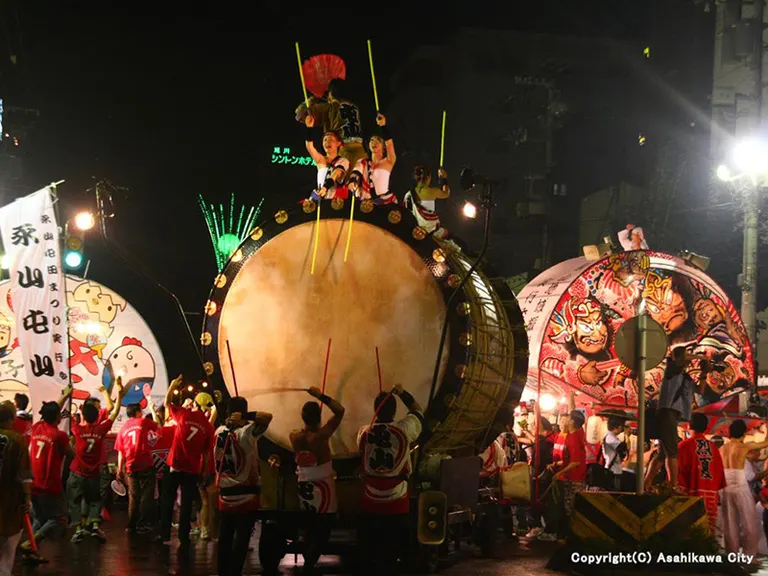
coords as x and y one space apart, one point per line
306 276
616 522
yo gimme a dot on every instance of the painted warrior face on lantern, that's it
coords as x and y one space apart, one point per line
583 324
707 314
666 304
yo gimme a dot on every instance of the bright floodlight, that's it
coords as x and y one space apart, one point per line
751 156
547 402
5 262
470 210
84 221
723 173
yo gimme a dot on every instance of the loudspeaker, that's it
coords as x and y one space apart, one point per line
433 518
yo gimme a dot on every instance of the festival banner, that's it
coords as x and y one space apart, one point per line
37 300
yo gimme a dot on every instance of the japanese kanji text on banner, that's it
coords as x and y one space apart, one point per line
30 236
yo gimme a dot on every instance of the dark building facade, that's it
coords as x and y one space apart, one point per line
551 118
18 119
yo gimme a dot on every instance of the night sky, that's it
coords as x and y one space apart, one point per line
171 107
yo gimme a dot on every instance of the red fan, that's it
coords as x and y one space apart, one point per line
320 70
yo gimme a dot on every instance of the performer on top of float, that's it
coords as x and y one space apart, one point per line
382 162
332 168
421 200
316 484
338 115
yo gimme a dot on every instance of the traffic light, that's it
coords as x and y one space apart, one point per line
73 249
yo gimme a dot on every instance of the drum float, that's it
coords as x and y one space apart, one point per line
392 293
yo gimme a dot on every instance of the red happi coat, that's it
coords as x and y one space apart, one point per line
701 472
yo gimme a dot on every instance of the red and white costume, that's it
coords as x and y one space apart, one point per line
700 472
424 212
237 465
385 450
316 484
494 459
323 172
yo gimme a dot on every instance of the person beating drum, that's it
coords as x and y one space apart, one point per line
385 450
316 484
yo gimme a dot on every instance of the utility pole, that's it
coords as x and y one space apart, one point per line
748 277
737 114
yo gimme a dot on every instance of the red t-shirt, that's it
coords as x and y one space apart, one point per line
160 444
47 445
558 450
576 451
22 426
103 417
133 443
194 437
89 447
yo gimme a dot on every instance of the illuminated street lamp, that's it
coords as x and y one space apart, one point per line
470 210
724 173
748 162
85 221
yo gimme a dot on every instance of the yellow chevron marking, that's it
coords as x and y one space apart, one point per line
657 519
645 527
616 512
585 530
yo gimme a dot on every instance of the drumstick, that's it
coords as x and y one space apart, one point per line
30 532
373 77
378 367
349 234
325 372
317 239
301 75
232 367
442 140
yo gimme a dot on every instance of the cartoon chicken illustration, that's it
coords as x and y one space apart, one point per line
136 367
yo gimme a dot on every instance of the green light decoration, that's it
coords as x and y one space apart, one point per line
225 236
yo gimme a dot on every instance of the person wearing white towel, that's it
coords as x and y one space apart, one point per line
738 501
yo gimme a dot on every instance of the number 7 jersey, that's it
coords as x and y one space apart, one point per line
89 445
193 439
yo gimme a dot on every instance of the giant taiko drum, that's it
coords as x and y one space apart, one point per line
275 319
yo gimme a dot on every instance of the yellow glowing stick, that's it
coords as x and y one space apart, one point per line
442 142
317 239
301 75
373 76
349 234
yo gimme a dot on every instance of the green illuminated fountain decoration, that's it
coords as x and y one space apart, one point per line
225 235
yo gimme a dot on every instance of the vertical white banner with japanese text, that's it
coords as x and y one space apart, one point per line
31 240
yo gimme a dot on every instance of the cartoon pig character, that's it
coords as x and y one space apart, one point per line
137 368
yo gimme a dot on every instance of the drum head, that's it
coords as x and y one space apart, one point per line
278 317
